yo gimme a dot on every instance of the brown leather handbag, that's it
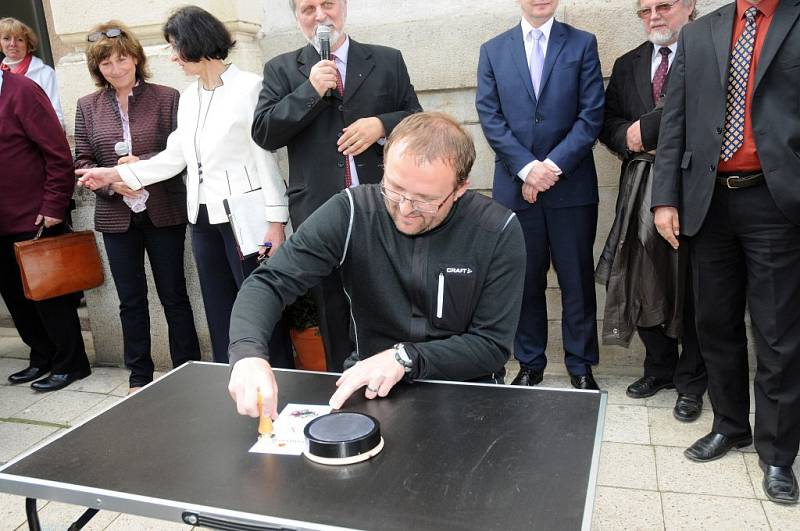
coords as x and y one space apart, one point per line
57 265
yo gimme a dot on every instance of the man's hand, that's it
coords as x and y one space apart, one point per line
379 373
94 178
275 235
125 190
633 138
127 159
360 135
541 177
48 221
249 377
668 225
529 193
323 77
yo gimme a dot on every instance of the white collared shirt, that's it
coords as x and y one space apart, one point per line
656 58
527 38
341 53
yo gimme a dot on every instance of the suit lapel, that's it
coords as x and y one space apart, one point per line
782 21
558 36
517 46
307 58
721 35
642 65
359 65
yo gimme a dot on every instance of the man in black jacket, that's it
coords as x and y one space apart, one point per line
434 272
649 299
332 116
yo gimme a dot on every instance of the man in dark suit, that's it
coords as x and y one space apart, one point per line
630 129
332 116
727 173
540 103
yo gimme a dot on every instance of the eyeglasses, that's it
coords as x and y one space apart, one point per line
661 9
418 206
111 33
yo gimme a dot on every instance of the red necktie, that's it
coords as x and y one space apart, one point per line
348 179
661 74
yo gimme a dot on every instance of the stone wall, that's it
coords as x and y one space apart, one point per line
440 42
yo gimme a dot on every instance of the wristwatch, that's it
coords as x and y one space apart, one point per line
402 357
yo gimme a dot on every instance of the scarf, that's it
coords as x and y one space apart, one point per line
20 68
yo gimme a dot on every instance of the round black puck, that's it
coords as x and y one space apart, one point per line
342 438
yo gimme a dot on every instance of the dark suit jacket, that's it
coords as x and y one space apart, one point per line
290 113
562 124
629 97
152 110
693 122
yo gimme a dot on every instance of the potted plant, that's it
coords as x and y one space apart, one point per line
303 321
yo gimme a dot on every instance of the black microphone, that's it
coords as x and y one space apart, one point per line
324 38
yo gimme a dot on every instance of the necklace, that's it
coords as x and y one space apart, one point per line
198 130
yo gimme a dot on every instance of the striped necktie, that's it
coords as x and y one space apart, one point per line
348 179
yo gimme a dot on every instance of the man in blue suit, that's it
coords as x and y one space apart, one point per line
540 103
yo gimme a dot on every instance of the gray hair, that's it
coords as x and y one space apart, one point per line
638 5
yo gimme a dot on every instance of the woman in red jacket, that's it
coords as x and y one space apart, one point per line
127 116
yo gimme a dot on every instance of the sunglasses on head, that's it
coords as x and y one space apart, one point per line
111 33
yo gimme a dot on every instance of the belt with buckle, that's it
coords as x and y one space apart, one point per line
735 182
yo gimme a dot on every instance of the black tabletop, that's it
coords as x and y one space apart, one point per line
456 456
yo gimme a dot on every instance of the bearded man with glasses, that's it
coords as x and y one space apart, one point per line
433 271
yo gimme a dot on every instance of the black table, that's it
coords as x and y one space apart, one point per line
457 456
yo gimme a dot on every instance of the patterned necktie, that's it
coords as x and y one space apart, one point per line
661 74
348 178
737 86
537 60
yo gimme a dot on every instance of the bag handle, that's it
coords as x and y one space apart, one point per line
41 229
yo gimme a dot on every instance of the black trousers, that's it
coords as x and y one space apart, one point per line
334 320
748 253
662 361
164 247
222 271
50 328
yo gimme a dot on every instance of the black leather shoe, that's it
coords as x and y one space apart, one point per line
780 484
584 381
27 375
54 382
688 407
715 445
647 386
528 377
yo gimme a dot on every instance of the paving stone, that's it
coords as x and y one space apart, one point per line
631 466
12 512
666 430
61 406
13 347
616 509
724 477
128 522
58 516
15 438
15 398
626 424
689 512
782 517
664 399
102 380
9 366
100 407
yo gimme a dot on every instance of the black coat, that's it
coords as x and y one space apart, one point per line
291 114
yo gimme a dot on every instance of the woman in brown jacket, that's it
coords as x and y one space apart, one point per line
129 116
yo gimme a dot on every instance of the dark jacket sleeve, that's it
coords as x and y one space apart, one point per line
486 346
406 96
672 136
281 112
615 123
43 128
309 255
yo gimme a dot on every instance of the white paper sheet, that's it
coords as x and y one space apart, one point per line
287 432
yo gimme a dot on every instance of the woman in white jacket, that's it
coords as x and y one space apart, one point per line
213 143
19 42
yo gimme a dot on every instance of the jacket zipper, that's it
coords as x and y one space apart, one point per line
440 296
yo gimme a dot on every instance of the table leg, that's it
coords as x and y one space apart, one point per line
33 517
83 520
